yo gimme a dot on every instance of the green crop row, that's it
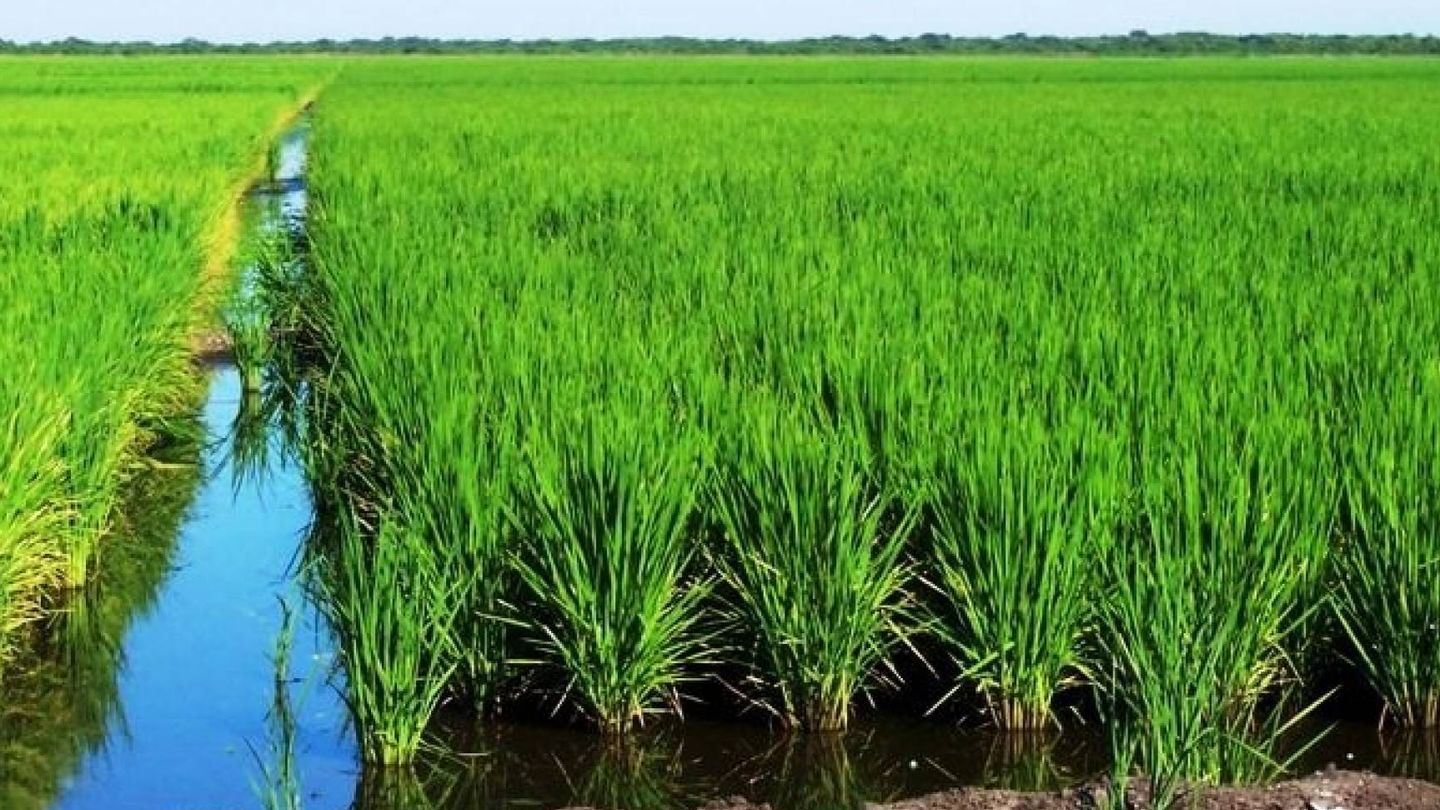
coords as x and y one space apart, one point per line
116 213
1120 377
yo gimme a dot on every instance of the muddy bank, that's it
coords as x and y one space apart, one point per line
212 348
1336 790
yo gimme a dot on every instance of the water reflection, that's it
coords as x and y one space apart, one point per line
62 696
1037 760
1411 753
685 765
635 775
195 677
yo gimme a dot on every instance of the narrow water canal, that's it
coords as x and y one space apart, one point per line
196 678
192 727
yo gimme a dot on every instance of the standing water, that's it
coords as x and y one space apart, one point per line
197 679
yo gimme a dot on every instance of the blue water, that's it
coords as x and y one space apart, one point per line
197 678
197 681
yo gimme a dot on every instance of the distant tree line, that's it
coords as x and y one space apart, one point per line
1134 43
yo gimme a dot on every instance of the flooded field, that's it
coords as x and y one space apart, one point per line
533 431
179 707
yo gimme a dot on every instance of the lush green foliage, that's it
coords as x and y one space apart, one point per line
813 558
112 209
1100 361
607 506
393 606
1388 595
1016 530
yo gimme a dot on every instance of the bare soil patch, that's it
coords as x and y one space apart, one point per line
1333 790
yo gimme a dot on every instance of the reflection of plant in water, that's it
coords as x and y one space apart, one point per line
1023 761
1412 753
631 774
278 783
391 789
432 786
250 441
62 694
472 780
815 772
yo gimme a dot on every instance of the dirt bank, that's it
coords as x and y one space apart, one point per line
1336 790
213 346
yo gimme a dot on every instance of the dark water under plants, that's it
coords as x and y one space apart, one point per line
157 691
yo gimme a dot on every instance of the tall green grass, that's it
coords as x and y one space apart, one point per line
1388 567
394 611
1215 566
1016 537
112 207
814 562
1078 374
609 562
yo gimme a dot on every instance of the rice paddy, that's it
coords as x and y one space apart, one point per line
115 221
1038 395
1056 389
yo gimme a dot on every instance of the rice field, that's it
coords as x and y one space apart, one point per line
117 215
1019 393
1036 390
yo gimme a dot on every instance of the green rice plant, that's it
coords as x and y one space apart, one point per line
609 562
272 163
1205 585
450 478
813 560
386 594
30 511
1014 544
1387 572
118 205
278 782
631 774
473 540
902 302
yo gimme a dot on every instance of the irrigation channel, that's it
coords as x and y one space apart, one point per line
197 675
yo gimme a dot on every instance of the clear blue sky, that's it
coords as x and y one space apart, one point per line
262 20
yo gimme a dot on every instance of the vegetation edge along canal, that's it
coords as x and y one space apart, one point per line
1037 397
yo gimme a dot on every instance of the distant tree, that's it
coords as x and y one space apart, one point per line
1138 41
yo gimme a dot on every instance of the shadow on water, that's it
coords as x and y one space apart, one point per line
62 698
677 765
